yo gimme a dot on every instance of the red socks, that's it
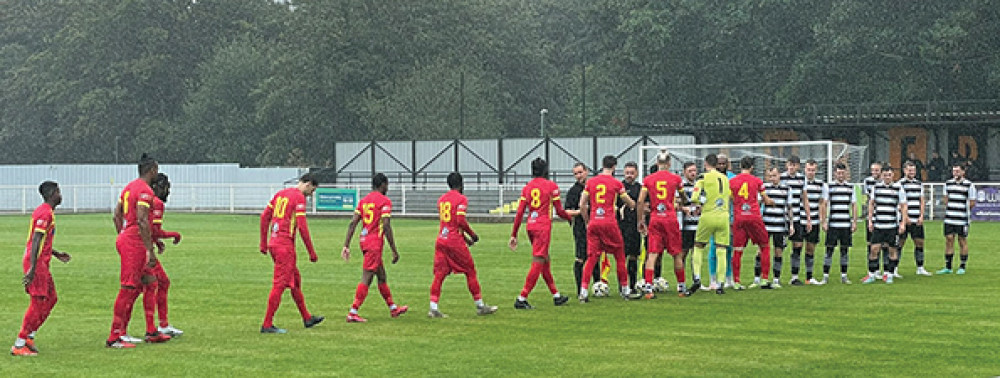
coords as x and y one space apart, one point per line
161 300
679 274
383 288
647 275
547 276
273 301
474 289
436 286
765 260
737 258
149 306
622 269
359 296
300 302
123 312
588 269
31 317
529 283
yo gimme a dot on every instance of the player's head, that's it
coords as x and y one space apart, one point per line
746 163
723 163
887 173
875 169
631 171
910 169
662 160
580 172
840 172
380 183
161 187
711 162
148 168
811 167
609 162
308 184
774 175
690 170
792 164
455 181
50 193
958 170
539 168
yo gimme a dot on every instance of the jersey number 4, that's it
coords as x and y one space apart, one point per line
744 191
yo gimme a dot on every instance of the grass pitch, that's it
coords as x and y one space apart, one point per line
941 326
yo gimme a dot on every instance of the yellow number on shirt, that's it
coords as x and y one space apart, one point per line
368 212
280 206
744 192
125 202
599 196
444 211
661 190
536 198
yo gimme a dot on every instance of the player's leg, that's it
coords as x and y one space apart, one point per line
918 250
891 265
812 238
537 250
360 293
655 248
162 291
383 289
873 254
632 249
758 235
701 239
963 244
594 248
797 239
132 260
740 239
949 249
580 249
846 241
832 238
281 279
779 240
30 322
149 288
615 246
441 271
721 233
308 320
712 263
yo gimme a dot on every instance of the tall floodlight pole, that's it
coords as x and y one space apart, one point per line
541 127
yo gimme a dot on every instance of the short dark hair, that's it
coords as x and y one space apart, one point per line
712 159
47 188
454 180
580 164
309 178
609 161
146 164
887 167
960 165
794 159
161 181
746 162
841 166
654 168
688 164
811 162
909 163
632 164
378 180
539 168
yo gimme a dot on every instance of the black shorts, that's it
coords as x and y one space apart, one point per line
868 234
885 236
841 236
961 231
632 242
809 237
913 231
687 239
800 232
779 239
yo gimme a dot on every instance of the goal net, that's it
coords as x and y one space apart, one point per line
766 155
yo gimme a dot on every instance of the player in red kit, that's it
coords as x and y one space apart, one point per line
451 250
135 248
538 197
284 216
597 203
154 297
37 279
373 212
664 230
748 223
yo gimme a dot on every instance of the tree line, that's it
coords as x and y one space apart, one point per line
265 82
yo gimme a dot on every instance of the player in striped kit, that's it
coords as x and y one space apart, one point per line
960 198
814 194
887 218
692 213
915 203
776 222
795 182
876 176
840 224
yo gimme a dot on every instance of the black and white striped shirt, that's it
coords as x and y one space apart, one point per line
841 199
795 185
914 192
959 194
690 222
887 198
816 192
869 183
776 216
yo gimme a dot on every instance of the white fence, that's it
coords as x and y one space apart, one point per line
409 199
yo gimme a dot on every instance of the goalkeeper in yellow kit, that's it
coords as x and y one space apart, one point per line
712 191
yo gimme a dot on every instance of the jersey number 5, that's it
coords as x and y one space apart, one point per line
661 190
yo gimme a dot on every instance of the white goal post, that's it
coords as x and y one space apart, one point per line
826 153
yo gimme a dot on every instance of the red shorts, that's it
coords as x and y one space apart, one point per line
604 237
133 261
665 234
540 240
42 285
373 259
286 273
156 271
453 258
752 228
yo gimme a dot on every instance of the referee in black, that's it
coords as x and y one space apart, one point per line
572 206
628 222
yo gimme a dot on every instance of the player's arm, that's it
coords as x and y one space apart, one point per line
265 223
627 199
302 225
389 237
119 217
345 253
681 195
696 192
145 231
463 223
585 206
522 204
854 211
562 213
765 198
971 196
36 245
789 215
871 212
823 216
905 218
923 204
805 205
641 209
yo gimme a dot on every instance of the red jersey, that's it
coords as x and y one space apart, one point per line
603 191
42 220
286 207
746 188
451 213
137 193
662 187
156 221
373 208
539 197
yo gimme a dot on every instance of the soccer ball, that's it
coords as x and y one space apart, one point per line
660 284
600 289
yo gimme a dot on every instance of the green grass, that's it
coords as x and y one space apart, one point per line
942 326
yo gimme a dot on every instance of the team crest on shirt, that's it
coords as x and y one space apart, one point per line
599 212
719 202
274 227
534 214
745 207
364 232
661 208
444 232
40 222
